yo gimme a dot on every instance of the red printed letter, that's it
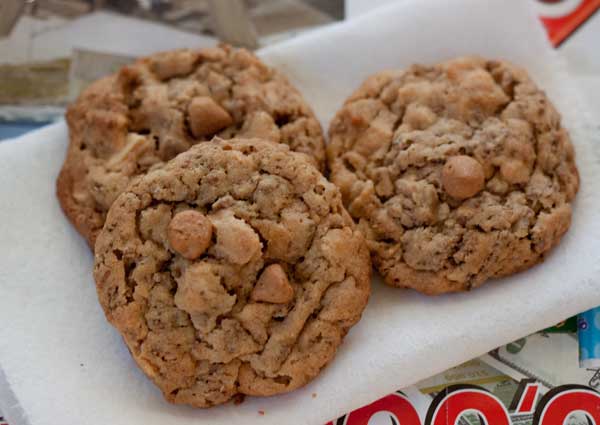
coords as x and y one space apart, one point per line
558 404
456 400
396 405
525 397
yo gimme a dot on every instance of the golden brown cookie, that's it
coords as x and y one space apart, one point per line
456 172
233 269
127 123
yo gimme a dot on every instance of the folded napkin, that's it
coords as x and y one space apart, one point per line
61 362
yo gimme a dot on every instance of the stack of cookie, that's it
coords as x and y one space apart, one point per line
232 266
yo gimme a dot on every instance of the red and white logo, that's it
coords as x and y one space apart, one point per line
562 17
555 408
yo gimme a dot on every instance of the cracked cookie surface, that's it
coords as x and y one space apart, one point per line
233 269
455 173
126 124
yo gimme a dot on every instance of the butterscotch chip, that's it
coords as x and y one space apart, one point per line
128 123
273 286
206 116
189 233
262 126
260 307
462 177
456 173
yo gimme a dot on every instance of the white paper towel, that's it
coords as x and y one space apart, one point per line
62 363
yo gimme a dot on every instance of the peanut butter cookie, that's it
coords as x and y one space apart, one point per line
126 124
456 173
233 269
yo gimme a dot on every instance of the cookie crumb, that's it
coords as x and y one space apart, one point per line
238 399
314 395
261 412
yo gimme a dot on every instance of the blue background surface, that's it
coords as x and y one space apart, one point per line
15 129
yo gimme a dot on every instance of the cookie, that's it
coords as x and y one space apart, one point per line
234 269
456 173
126 124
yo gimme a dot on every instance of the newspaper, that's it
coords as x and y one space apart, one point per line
506 382
537 356
475 372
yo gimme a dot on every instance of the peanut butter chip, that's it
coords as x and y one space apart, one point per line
273 286
462 177
206 117
189 233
